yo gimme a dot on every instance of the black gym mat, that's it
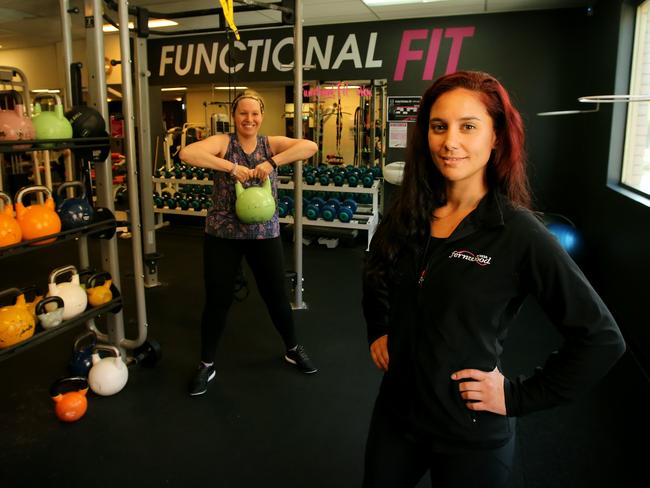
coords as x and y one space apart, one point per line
262 423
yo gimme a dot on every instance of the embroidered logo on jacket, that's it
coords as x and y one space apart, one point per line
480 259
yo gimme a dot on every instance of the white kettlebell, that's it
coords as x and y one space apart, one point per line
108 375
73 295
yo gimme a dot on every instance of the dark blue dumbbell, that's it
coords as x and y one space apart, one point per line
347 209
367 180
285 206
353 178
314 208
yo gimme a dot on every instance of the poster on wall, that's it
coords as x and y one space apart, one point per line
397 134
403 109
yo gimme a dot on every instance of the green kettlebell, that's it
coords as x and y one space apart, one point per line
255 204
51 125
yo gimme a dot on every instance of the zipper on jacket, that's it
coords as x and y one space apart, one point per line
424 263
423 274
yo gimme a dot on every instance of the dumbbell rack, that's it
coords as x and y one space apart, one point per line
175 183
366 218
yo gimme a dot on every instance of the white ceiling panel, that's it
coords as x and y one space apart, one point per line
37 22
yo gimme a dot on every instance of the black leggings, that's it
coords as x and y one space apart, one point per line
397 459
221 262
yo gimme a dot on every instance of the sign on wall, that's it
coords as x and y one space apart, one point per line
402 109
418 49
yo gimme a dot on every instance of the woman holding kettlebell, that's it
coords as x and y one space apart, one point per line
243 156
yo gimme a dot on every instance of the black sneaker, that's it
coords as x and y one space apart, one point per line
300 359
199 384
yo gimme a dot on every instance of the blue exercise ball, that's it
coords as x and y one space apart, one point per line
568 237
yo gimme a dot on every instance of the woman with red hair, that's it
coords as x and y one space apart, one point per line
448 269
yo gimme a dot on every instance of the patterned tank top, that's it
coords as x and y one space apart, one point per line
222 220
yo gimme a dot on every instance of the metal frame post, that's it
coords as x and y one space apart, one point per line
93 10
297 173
132 177
144 160
82 243
67 50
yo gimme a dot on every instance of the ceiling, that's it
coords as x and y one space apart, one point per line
41 18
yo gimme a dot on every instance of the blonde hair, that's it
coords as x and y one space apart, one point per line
252 94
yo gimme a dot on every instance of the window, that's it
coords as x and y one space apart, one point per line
636 155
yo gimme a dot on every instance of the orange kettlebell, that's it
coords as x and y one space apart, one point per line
17 324
38 220
72 405
10 232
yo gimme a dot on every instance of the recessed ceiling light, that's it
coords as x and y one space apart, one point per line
174 88
152 23
385 3
230 88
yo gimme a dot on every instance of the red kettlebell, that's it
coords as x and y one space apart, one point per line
72 405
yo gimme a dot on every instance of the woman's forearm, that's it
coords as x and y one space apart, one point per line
300 150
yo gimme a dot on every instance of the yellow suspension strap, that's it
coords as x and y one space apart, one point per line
229 14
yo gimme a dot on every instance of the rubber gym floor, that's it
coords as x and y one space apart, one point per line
262 423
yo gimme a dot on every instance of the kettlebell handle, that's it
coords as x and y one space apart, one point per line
90 282
7 199
30 189
59 271
40 96
107 347
40 306
86 335
71 184
266 185
10 291
58 384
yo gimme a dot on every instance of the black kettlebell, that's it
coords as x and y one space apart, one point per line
76 211
82 351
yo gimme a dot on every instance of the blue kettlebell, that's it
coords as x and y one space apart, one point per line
76 211
82 352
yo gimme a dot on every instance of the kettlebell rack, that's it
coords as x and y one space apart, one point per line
103 227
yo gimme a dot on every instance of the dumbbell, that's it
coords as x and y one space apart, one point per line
368 179
158 201
347 209
353 177
310 178
314 208
339 177
285 206
330 210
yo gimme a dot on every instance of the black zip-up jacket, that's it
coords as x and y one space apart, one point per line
457 317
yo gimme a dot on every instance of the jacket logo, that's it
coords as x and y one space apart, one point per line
480 259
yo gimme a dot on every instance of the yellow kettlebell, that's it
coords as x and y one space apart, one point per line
100 294
17 324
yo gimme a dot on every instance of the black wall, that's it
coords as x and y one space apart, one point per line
547 59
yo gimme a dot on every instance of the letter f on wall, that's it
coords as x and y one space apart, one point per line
406 54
